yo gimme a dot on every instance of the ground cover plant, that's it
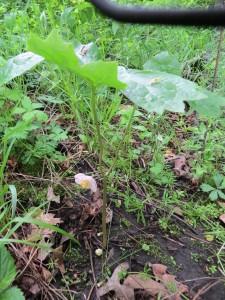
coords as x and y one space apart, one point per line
112 151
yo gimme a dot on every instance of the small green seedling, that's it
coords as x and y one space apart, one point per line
215 192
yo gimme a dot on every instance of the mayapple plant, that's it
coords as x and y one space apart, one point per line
157 88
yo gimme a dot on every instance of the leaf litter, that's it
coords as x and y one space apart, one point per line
163 285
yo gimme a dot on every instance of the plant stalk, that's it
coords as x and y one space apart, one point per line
105 177
97 126
104 233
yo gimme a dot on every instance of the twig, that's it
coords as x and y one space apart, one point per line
206 288
93 274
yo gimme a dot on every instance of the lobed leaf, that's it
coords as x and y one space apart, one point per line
56 50
13 293
164 62
157 91
17 65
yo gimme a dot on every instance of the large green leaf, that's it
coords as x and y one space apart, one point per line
7 268
13 293
56 50
102 73
164 62
18 65
210 105
157 91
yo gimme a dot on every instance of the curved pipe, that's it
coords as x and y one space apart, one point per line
143 15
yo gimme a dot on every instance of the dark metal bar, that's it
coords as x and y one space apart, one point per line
142 15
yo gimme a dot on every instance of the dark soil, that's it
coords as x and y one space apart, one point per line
186 254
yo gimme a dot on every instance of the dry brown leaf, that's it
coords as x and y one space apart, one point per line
169 154
122 292
51 196
58 257
49 218
179 288
47 275
38 233
109 215
178 211
152 287
173 287
35 289
158 270
222 218
43 252
182 167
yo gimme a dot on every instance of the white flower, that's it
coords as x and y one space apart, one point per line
87 182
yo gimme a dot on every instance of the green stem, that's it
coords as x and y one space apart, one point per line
105 178
97 126
119 148
104 233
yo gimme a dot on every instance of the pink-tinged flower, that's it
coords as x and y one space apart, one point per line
87 182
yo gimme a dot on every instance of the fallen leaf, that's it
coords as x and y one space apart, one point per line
122 292
152 287
174 288
158 270
182 167
35 289
222 218
178 211
51 196
58 257
109 215
91 209
169 154
43 252
38 233
47 275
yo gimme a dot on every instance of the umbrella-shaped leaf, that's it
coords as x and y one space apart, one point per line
17 65
102 73
164 62
157 91
210 105
56 50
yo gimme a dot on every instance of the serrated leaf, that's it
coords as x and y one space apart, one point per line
164 62
56 50
218 179
102 73
213 195
206 187
7 268
167 94
210 105
17 65
13 293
